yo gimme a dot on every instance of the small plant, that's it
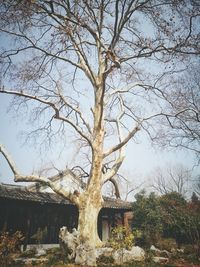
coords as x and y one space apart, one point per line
56 256
167 244
9 243
29 253
121 237
105 260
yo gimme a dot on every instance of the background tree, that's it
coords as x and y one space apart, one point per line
175 178
174 220
147 218
184 101
174 216
196 187
92 70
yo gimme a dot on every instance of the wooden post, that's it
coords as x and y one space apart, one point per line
27 231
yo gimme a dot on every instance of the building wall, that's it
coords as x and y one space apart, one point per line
45 220
29 217
128 219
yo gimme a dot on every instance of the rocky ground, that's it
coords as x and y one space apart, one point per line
55 258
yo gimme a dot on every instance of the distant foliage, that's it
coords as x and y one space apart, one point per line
168 216
174 216
147 218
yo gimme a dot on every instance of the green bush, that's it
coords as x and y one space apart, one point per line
168 216
147 219
167 244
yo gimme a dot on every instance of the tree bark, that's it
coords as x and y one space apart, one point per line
87 224
90 202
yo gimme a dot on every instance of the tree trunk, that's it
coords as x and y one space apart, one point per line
88 220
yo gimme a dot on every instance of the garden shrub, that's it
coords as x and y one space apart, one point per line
10 243
147 219
107 260
167 216
167 244
56 255
121 237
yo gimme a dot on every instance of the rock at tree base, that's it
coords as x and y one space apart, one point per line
82 253
85 255
121 256
106 252
69 241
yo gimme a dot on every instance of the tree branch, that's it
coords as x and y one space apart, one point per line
124 142
36 178
109 174
114 182
53 106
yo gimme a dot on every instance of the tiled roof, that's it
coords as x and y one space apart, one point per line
22 193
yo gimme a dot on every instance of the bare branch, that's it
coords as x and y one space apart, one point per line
43 180
53 106
114 182
114 169
124 141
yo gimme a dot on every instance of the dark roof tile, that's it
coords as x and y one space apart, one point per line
22 193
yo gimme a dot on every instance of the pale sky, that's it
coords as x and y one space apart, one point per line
140 159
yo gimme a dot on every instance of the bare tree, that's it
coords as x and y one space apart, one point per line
123 186
175 178
196 187
93 68
184 101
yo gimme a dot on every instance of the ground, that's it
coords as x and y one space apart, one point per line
55 258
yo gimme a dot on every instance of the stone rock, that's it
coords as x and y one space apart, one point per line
80 255
160 259
105 251
138 253
160 253
69 241
30 261
85 255
153 248
180 250
121 256
40 252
